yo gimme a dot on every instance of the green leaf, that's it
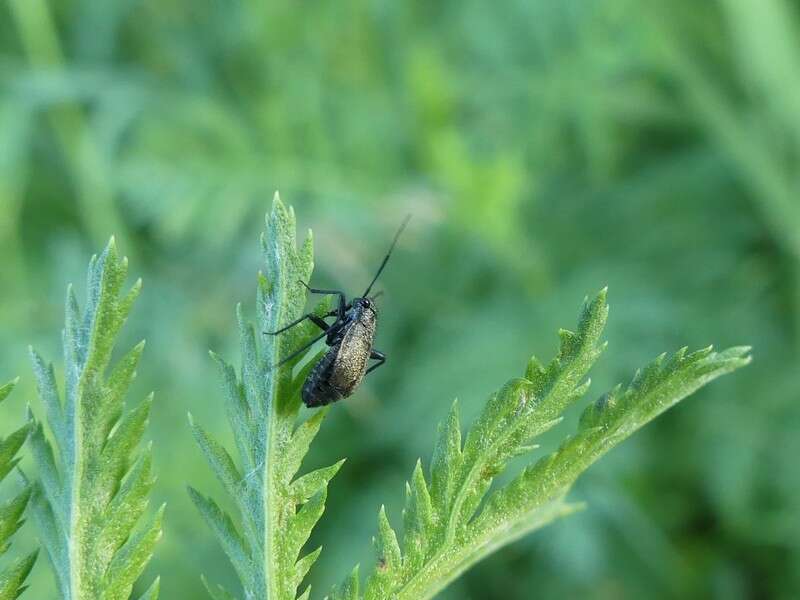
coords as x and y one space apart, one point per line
217 456
349 589
275 510
152 591
93 485
456 518
12 578
131 559
221 524
310 484
217 592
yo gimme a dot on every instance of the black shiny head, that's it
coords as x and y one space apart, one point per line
366 303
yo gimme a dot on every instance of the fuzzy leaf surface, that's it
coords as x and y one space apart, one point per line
275 510
13 576
454 516
94 480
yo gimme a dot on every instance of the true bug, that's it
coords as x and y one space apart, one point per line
349 338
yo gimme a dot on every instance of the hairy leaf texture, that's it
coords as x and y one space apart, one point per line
91 498
275 510
454 517
13 576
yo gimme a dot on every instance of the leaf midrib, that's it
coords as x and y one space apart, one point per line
450 531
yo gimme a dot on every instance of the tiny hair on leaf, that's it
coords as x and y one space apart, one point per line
15 572
274 507
91 498
455 515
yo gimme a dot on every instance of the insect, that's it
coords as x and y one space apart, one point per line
349 338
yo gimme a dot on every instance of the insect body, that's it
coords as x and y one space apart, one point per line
350 339
341 370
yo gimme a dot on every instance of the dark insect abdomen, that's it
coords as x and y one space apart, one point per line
317 389
341 370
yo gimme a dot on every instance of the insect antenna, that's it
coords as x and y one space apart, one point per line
388 254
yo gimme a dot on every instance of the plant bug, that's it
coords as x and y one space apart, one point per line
350 340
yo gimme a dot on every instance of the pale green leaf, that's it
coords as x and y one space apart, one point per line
13 576
275 508
229 538
303 488
458 519
217 592
217 456
92 490
12 579
349 589
152 591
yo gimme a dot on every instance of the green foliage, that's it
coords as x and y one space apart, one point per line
546 148
12 578
93 483
276 509
452 518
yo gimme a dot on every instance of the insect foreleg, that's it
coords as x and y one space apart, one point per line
314 318
380 357
302 349
342 299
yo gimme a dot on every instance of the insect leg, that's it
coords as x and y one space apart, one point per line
302 349
331 330
342 300
317 321
376 355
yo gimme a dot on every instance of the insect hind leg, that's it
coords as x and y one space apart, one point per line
380 357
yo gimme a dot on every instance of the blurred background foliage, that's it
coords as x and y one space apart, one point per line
546 148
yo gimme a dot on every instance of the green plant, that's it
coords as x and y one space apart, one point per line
12 578
93 484
276 510
453 518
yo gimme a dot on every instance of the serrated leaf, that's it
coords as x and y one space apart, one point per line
48 391
303 566
276 509
11 517
49 478
50 534
301 524
349 589
152 591
9 446
307 486
458 520
387 548
446 461
12 578
221 462
131 560
300 442
91 489
217 592
228 536
127 507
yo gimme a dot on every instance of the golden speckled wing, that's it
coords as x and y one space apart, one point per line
353 356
